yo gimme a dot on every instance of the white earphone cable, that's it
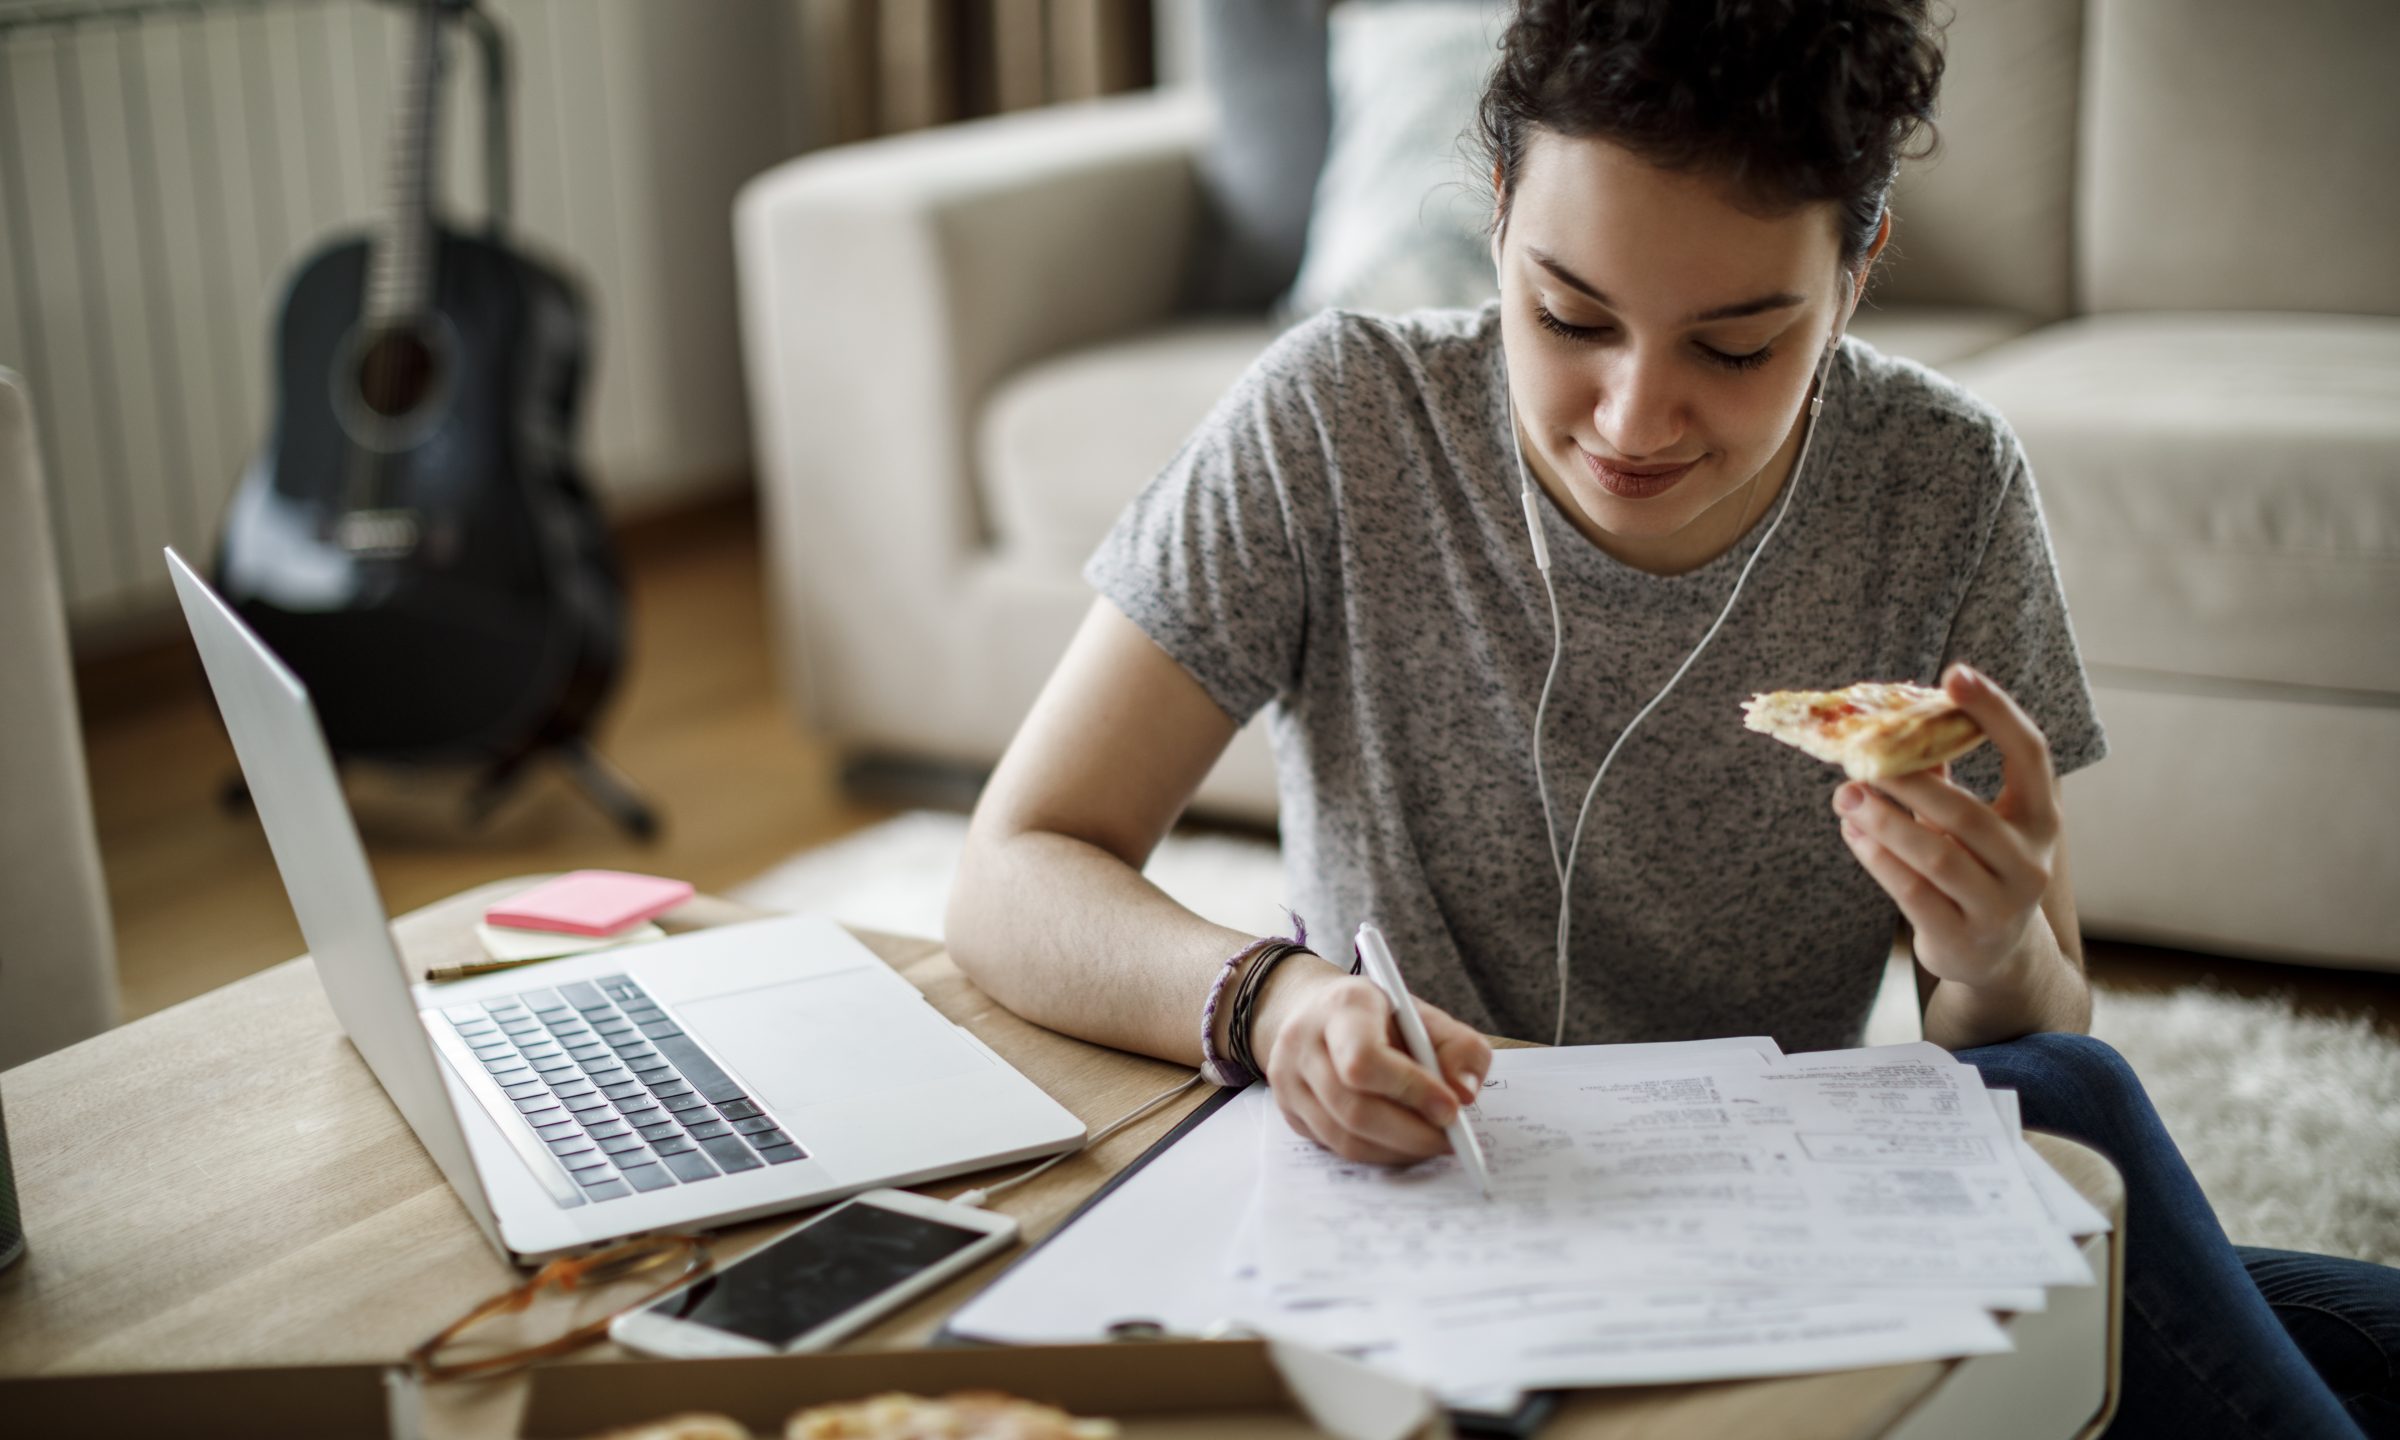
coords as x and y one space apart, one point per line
1565 869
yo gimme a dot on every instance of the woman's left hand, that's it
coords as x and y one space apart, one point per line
1968 876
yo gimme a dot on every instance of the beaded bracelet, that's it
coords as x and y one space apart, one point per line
1221 1069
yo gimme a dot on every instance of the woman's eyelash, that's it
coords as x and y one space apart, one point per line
1560 328
1588 334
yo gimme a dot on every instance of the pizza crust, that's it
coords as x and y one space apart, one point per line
964 1415
1874 730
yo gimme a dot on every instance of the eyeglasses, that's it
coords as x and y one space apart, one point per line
554 1305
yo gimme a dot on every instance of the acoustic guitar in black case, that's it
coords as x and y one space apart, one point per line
415 540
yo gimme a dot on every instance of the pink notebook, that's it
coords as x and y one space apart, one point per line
589 902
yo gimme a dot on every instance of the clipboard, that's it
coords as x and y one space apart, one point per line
1519 1424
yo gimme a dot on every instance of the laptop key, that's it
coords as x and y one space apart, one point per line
698 1068
752 1124
674 1145
660 1130
607 1127
778 1154
620 1144
607 1190
584 1104
583 995
535 1105
737 1109
765 1140
703 1129
573 1086
690 1165
624 1089
649 1177
730 1154
681 1103
660 1029
556 1067
572 1145
523 1089
558 1129
640 1109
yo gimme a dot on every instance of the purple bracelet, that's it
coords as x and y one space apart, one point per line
1215 1068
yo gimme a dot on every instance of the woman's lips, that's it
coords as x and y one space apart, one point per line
1635 482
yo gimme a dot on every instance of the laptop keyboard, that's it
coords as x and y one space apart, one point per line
618 1092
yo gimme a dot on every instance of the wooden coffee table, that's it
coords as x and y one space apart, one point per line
224 1183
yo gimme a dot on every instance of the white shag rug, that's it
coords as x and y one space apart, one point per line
2290 1121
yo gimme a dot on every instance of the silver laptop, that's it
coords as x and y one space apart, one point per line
687 1082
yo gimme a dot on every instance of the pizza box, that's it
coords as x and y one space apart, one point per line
283 1402
1153 1389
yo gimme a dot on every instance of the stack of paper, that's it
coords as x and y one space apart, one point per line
1659 1213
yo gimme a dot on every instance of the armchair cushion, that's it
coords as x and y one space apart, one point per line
1063 445
1400 214
1262 64
2240 156
2223 491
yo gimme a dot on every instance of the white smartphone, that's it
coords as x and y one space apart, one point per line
818 1281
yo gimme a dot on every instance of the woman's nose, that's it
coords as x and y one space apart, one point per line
1638 411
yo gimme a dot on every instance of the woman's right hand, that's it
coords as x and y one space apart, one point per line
1343 1076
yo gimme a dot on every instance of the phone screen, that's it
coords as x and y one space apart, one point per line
780 1293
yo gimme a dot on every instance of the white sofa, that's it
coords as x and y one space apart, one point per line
2159 238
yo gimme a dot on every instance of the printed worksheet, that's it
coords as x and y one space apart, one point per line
1881 1171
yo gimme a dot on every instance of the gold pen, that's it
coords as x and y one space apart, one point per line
460 972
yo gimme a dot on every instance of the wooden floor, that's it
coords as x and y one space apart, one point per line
698 723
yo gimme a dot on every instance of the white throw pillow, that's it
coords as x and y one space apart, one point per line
1399 219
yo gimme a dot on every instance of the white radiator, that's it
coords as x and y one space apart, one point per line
162 172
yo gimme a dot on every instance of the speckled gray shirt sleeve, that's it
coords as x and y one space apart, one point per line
1341 544
2013 626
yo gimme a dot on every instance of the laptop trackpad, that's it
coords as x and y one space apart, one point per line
828 1039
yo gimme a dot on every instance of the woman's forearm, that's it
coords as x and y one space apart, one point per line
2047 992
1071 937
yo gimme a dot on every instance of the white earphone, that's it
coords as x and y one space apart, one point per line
1565 867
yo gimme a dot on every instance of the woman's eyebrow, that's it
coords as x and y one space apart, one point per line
1780 300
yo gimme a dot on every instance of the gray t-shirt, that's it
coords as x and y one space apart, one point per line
1342 542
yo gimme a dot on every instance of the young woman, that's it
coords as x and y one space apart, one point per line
1688 201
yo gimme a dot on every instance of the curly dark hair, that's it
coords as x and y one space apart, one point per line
1793 101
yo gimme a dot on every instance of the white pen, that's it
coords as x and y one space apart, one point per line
1385 972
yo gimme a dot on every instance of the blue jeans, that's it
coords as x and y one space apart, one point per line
2218 1340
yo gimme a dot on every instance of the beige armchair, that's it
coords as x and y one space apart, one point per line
58 976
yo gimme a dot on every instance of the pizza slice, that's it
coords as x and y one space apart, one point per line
1874 730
